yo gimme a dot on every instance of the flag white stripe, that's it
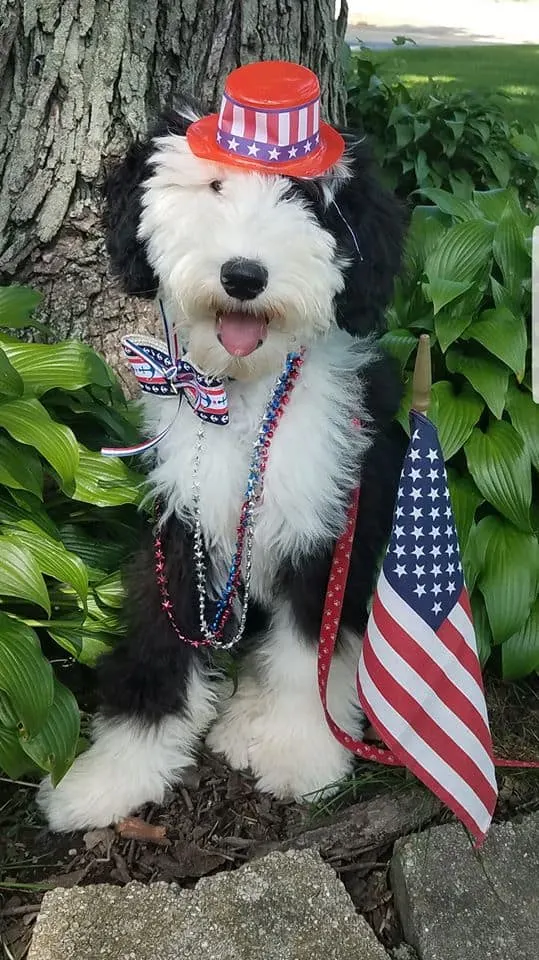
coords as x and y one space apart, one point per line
435 765
461 622
416 627
284 129
261 128
302 124
238 115
426 696
316 119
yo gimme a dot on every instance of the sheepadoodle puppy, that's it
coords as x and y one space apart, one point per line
273 249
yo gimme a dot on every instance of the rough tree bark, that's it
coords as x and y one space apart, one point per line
79 79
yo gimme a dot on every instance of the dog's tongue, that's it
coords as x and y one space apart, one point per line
241 333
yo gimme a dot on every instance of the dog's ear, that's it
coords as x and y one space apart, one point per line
123 202
368 223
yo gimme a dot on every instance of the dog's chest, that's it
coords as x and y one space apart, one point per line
312 464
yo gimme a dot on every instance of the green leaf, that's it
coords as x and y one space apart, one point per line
16 305
520 653
441 291
504 335
11 384
54 747
483 633
500 466
20 467
25 512
28 422
13 759
70 365
449 203
524 415
400 344
487 376
52 559
508 578
85 641
454 415
107 482
111 591
465 499
25 675
20 575
492 203
460 256
509 250
96 553
449 327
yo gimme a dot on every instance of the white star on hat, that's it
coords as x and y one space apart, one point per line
307 146
233 144
292 152
274 154
253 150
219 137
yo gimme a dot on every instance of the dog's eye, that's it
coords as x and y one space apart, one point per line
216 186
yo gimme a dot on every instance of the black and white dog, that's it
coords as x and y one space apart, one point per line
309 263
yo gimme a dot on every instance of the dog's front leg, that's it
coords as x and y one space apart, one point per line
157 701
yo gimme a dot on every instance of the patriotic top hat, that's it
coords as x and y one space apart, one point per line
269 122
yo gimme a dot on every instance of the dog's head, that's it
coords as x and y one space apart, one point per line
251 266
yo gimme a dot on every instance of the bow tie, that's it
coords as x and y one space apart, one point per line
160 375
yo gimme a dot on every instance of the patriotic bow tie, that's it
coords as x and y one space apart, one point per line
160 375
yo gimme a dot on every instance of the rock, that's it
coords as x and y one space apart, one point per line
285 906
456 903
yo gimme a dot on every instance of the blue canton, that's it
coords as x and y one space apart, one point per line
423 561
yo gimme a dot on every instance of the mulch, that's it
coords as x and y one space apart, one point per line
216 821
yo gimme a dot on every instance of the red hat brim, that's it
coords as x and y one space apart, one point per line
202 139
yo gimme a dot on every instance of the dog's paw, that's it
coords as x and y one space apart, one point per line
231 734
299 762
96 792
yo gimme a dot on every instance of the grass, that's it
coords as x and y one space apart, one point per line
509 70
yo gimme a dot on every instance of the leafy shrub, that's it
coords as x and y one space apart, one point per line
68 518
458 142
467 283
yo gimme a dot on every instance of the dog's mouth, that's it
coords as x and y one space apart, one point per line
241 333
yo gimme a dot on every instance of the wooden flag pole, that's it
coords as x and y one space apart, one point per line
422 382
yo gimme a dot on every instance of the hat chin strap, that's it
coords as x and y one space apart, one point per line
349 228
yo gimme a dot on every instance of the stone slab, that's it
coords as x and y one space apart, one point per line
285 906
456 903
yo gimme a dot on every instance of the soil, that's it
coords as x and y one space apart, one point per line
218 820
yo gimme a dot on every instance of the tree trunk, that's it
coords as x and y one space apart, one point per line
79 79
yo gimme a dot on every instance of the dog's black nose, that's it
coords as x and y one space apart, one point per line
243 279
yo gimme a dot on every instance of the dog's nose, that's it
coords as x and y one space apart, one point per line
243 279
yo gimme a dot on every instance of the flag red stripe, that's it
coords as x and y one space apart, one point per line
249 124
273 127
412 763
310 120
294 126
227 115
452 639
427 728
427 668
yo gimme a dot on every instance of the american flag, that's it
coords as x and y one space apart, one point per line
419 677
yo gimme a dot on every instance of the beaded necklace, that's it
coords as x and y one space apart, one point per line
212 633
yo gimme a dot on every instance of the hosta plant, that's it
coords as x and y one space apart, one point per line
467 282
68 518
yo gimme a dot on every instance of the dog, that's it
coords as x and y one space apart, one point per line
251 266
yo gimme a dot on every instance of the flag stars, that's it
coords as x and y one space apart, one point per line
433 493
400 550
292 153
436 570
253 150
450 569
419 571
415 474
274 154
434 513
400 570
436 550
416 513
432 455
233 144
308 146
437 608
420 590
435 533
414 454
417 532
433 474
399 531
436 589
399 512
416 494
451 587
418 551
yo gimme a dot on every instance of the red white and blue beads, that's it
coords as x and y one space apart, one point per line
212 634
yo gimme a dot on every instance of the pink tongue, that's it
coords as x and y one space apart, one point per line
240 333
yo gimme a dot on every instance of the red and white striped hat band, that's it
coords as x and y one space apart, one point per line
273 136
